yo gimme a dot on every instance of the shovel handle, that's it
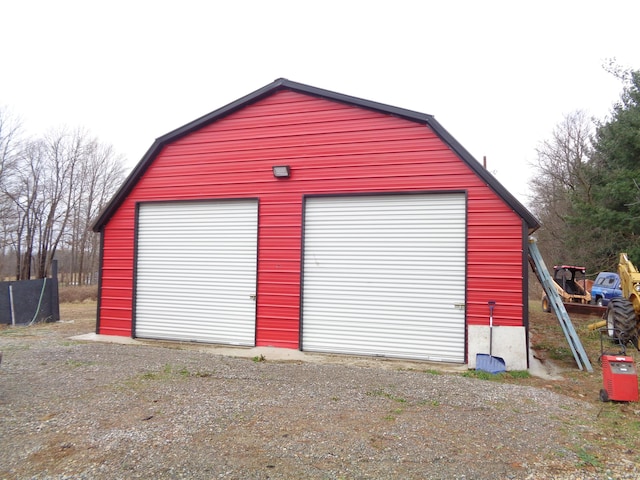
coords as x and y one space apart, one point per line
492 304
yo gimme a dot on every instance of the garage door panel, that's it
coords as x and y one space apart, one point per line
196 271
384 275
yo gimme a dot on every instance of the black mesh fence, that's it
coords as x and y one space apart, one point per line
30 301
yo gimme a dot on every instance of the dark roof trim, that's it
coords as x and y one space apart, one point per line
490 180
282 84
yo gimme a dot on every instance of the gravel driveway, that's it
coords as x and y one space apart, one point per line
91 410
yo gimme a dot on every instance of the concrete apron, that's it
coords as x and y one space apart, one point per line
289 355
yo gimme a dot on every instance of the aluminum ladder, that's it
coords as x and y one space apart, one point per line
540 269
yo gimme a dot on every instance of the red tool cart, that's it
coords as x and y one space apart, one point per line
619 378
619 373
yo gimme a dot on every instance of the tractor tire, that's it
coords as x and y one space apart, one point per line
622 324
545 304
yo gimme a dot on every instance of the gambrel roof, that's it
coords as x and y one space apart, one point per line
284 84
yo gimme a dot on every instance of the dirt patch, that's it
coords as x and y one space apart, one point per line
74 409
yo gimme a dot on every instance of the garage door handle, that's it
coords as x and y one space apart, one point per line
253 297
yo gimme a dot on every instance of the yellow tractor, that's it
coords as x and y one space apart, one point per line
623 313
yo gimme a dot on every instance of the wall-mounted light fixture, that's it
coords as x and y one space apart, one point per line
281 171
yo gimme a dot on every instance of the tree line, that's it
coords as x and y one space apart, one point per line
586 187
51 188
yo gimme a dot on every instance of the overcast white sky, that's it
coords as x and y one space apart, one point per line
498 75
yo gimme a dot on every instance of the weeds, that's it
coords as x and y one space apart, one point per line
587 459
169 371
509 375
79 363
9 331
9 348
259 358
623 429
555 351
381 393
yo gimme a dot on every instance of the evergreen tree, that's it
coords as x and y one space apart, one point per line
607 219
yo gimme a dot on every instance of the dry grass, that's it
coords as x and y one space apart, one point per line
77 294
80 311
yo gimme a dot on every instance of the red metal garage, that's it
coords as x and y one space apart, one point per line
302 218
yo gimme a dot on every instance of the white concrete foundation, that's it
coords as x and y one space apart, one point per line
509 343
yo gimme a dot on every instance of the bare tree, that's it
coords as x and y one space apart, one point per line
561 175
22 189
66 151
100 175
55 186
10 141
10 134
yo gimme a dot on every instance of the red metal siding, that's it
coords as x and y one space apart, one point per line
332 148
117 274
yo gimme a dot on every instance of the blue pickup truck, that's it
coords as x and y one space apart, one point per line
605 287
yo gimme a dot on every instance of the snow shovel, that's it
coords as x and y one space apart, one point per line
489 363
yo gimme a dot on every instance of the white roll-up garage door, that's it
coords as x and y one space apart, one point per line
385 275
196 271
